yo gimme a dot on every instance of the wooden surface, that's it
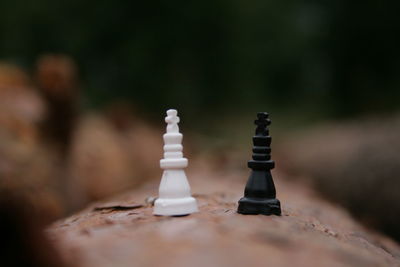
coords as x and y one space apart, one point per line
311 232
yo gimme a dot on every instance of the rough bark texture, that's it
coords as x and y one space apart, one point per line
310 232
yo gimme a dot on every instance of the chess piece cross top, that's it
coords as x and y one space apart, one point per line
172 119
262 122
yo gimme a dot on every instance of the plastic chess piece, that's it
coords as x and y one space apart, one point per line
174 193
259 194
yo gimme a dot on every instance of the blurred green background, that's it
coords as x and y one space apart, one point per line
323 58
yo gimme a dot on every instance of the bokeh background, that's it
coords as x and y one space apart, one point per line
339 58
84 87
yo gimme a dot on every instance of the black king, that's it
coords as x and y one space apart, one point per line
259 194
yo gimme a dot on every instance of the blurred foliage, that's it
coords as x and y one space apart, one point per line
338 58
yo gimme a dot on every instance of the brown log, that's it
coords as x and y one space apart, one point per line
310 232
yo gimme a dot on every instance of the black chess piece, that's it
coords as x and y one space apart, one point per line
259 194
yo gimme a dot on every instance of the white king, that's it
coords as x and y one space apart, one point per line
174 192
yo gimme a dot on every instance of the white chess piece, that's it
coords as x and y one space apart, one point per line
174 192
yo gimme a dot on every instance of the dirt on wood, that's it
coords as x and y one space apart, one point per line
310 232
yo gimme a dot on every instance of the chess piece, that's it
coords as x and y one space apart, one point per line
174 192
259 194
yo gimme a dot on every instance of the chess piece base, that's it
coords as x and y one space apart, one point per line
259 206
175 206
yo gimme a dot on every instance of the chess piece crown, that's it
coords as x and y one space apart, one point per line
174 191
260 194
173 156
